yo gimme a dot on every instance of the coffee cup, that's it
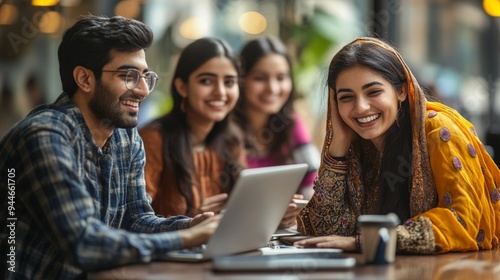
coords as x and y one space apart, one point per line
378 238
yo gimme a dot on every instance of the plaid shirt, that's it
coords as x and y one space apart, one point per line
77 207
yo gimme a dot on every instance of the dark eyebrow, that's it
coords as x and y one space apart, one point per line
343 90
128 66
206 74
371 84
363 87
214 75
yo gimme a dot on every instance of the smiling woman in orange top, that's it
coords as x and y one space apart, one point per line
194 153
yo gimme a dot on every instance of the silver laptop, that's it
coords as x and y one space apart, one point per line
301 262
254 210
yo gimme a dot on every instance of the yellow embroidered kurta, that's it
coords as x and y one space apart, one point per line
467 216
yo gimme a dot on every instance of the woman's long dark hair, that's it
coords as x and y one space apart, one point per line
281 124
395 167
224 137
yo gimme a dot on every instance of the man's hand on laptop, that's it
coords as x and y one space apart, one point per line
201 227
214 203
289 219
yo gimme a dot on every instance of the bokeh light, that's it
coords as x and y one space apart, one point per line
192 28
492 7
253 22
44 3
51 22
128 8
8 14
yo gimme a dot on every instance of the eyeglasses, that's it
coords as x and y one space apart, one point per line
132 76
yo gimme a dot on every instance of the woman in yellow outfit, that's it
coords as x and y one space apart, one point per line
388 149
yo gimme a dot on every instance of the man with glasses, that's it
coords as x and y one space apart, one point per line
72 185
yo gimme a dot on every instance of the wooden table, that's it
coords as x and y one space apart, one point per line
482 265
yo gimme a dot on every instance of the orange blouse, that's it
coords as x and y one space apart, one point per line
161 185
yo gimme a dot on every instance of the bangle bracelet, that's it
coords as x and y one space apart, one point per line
344 158
336 161
358 243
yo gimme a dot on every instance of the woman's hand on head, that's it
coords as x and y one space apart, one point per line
342 133
347 243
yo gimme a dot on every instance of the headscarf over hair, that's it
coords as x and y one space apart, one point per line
422 185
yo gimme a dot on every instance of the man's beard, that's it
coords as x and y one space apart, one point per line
108 109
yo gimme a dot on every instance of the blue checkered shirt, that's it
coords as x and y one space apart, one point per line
76 207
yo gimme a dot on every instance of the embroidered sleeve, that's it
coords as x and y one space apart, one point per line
416 236
328 211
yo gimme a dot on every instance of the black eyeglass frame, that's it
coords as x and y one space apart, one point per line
151 81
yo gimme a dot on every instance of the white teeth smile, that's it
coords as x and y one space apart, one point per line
217 103
368 119
130 103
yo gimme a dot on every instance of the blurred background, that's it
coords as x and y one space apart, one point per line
451 45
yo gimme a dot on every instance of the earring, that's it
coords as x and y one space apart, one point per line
399 112
183 105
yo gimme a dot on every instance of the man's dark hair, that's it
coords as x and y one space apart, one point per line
88 43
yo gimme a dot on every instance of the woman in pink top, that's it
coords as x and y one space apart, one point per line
275 134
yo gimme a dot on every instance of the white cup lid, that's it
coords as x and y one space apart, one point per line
389 220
